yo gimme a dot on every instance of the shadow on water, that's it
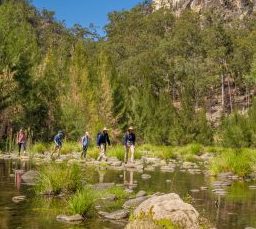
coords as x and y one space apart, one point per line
234 210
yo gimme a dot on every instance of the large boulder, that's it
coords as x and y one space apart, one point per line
143 224
169 206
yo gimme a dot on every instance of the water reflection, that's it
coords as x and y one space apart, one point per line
235 210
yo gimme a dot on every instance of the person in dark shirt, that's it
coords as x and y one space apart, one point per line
58 142
102 141
129 143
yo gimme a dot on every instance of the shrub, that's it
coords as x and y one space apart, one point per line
56 178
69 147
117 151
121 196
83 202
240 162
39 148
119 192
93 152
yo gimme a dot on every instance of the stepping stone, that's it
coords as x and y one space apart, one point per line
117 215
18 199
141 193
145 176
72 218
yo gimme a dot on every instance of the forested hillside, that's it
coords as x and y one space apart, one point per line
176 79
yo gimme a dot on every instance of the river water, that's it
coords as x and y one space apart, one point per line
235 210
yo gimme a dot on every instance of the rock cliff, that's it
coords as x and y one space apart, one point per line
238 7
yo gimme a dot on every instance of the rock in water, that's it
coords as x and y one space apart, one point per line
141 193
30 177
170 206
72 218
132 203
17 199
117 215
145 176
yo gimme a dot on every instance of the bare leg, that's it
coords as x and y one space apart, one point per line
126 154
132 148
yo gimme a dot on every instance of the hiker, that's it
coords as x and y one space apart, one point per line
102 141
21 140
85 144
58 142
129 143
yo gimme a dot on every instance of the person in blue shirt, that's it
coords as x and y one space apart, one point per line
58 142
129 143
85 144
102 141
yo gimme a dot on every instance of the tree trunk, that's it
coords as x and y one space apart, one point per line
222 92
230 97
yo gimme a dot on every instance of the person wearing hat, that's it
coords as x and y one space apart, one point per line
58 142
102 141
129 143
85 144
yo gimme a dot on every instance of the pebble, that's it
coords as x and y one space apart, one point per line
145 176
141 193
204 188
17 199
194 190
252 187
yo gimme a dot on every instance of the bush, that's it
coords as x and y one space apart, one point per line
239 162
57 178
119 192
117 151
83 202
69 147
39 148
121 196
93 152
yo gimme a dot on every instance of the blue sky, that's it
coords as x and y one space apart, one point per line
84 12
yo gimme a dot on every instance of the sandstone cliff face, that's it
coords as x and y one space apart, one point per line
240 7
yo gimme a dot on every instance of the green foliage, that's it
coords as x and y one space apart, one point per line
117 151
57 178
39 148
121 197
119 192
166 224
155 71
70 147
83 202
240 162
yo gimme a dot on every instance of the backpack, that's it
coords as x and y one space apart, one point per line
98 139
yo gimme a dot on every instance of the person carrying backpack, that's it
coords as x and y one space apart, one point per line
85 144
129 143
102 141
58 142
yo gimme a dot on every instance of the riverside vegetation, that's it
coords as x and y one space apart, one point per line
178 80
161 73
70 181
240 161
